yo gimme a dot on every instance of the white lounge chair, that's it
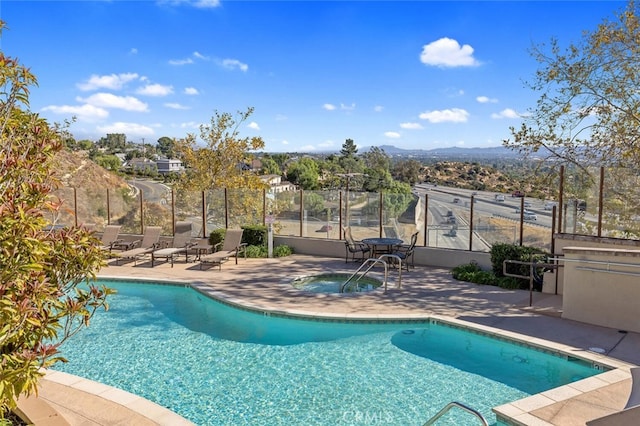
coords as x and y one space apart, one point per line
149 243
231 246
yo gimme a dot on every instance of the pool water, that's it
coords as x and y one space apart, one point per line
217 365
332 283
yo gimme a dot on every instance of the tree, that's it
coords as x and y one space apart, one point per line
304 173
348 160
166 147
41 267
219 163
407 171
588 113
269 166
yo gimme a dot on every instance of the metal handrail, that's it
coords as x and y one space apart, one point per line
532 265
451 405
373 262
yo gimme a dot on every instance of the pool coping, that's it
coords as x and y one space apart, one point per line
514 413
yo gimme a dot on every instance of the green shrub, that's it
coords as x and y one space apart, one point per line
282 251
472 273
217 236
256 251
254 235
502 252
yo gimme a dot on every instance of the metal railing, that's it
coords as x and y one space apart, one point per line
373 262
455 404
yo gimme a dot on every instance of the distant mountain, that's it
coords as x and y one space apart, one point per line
453 152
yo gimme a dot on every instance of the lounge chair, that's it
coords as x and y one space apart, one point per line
405 251
150 242
231 246
181 243
110 237
353 247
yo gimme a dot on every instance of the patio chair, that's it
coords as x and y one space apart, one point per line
110 237
353 247
180 244
232 245
150 242
405 251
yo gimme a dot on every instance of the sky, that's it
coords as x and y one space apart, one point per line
412 74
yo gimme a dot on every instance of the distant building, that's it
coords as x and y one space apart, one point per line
142 165
276 184
169 165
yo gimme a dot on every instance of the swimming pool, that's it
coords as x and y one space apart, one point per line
217 365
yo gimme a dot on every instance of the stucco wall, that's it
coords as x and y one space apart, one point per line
425 256
570 240
602 286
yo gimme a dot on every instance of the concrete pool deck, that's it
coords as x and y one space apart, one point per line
426 293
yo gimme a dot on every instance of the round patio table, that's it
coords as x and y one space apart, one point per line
381 245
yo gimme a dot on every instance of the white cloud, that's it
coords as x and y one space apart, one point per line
281 117
200 56
155 90
411 126
190 125
200 4
107 100
187 61
133 51
84 112
506 113
348 107
112 81
253 125
233 64
392 135
175 106
486 100
130 129
191 91
329 107
454 115
285 142
306 148
447 52
378 108
326 144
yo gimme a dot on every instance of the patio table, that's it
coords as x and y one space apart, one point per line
382 245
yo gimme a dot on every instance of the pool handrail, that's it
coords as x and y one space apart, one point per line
373 262
460 405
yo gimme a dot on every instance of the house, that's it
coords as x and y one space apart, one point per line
142 165
169 165
276 184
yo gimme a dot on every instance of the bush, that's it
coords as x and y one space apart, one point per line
502 252
282 251
254 235
256 251
217 236
472 273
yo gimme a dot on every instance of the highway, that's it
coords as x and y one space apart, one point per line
445 202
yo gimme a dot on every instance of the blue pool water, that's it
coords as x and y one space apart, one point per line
333 283
217 365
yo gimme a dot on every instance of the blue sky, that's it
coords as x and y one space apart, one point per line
415 74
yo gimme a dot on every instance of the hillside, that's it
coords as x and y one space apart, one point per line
473 176
91 181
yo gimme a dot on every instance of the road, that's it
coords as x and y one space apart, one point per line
152 191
